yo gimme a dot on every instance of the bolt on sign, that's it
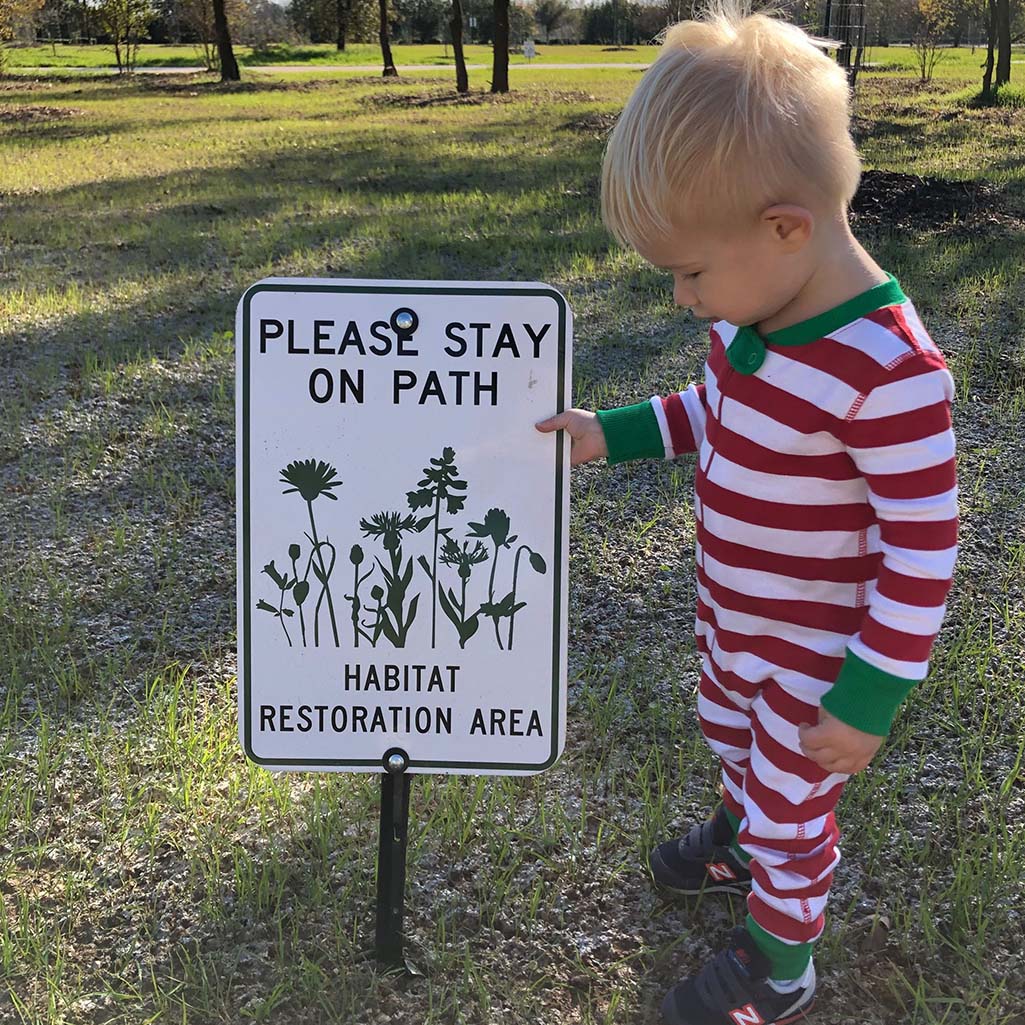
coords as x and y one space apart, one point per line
402 576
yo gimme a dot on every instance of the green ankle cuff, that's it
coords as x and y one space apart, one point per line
738 852
735 849
789 960
733 821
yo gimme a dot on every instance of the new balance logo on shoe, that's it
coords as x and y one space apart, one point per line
720 871
747 1015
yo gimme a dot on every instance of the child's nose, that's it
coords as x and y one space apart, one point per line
683 294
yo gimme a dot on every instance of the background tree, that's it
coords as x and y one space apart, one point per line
1002 19
321 21
343 10
74 20
960 20
166 24
677 10
261 23
500 61
550 14
968 20
390 71
421 21
197 18
225 53
997 68
613 22
53 20
988 93
935 18
650 21
125 21
522 24
521 20
456 31
13 13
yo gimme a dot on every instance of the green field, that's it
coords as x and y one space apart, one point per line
154 55
147 872
956 63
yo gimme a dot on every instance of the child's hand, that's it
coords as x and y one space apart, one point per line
836 746
585 430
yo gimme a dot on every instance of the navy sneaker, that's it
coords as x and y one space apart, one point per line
732 990
702 860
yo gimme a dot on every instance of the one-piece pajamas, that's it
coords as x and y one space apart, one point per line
826 522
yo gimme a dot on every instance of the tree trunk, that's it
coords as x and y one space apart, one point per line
1003 34
229 66
390 71
456 28
500 64
991 33
341 22
852 71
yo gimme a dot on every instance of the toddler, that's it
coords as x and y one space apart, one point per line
825 495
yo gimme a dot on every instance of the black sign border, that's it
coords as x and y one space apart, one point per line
243 355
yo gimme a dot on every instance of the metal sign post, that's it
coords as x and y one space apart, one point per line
391 858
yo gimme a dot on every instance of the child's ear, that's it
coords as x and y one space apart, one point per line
789 225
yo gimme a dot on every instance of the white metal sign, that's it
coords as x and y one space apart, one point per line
402 562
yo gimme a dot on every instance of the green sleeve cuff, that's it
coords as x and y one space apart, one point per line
632 432
865 697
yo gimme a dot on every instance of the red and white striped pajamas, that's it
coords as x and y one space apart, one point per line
826 510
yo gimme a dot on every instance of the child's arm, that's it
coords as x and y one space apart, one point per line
661 428
900 439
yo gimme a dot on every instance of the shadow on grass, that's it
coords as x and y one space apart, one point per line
103 86
167 270
397 214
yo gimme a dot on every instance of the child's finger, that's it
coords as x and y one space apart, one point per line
812 742
825 758
553 423
810 736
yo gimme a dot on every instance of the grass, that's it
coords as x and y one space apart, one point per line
169 55
148 873
960 62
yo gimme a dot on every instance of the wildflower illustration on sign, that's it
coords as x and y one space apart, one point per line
393 607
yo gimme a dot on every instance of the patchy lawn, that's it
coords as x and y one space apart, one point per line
147 872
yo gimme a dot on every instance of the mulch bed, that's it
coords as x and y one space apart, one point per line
447 97
597 124
897 198
28 114
198 85
890 197
435 98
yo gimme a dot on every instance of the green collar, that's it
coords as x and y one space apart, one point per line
746 352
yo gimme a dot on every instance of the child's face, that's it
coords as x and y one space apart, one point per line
743 277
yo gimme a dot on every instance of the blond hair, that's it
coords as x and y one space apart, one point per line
738 112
